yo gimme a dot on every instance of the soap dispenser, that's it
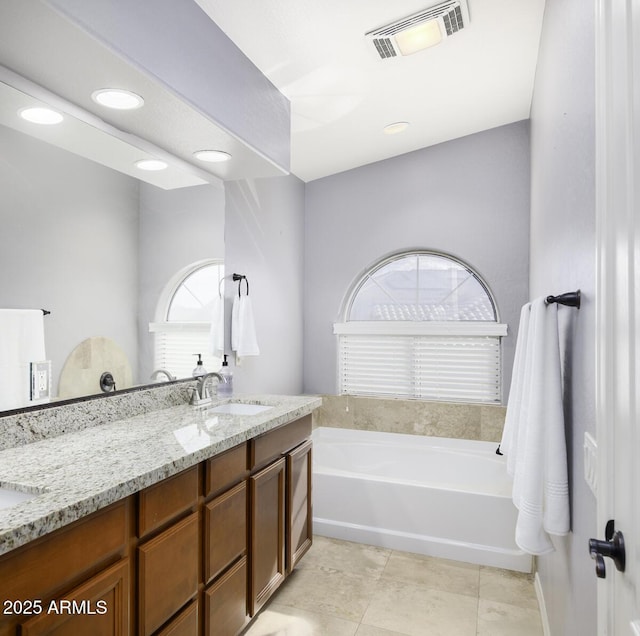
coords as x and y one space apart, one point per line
199 369
225 388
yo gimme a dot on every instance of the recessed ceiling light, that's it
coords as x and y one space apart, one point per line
396 127
41 115
117 98
212 156
151 164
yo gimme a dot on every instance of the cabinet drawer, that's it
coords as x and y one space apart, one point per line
165 500
167 573
225 530
226 469
184 624
225 608
100 606
275 443
62 559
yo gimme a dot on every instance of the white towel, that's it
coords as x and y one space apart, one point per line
216 335
21 342
534 438
243 330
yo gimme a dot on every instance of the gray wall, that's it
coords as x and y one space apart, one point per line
177 228
563 259
264 237
69 244
468 198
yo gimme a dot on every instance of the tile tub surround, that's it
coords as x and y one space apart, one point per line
413 417
83 471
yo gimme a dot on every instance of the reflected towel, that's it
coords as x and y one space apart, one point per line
216 335
534 437
21 342
243 330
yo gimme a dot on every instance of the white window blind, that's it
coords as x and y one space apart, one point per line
448 362
176 344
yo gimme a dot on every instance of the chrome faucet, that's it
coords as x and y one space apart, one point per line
201 394
157 372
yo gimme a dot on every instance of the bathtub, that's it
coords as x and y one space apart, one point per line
441 497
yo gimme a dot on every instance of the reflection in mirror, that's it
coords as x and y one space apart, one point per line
183 329
96 248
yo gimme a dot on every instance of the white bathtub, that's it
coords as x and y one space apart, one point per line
442 497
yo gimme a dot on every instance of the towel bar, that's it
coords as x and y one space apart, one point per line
570 299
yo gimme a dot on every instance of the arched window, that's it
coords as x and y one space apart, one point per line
183 319
421 325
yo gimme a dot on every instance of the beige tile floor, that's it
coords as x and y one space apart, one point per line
349 589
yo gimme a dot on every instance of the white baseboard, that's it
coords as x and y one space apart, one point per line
543 608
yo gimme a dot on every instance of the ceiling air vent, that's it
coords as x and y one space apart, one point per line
420 30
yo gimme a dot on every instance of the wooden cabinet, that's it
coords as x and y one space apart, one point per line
99 607
299 532
225 602
65 565
164 501
280 496
267 532
225 530
168 573
226 610
198 553
184 624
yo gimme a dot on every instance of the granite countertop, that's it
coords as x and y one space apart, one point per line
78 473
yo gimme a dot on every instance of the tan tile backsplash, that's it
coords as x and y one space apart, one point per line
413 417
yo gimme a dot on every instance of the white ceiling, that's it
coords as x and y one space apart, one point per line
342 94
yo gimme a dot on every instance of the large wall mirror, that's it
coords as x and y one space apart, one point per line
96 248
85 234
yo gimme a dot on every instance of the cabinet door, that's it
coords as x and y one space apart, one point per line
299 511
184 624
99 607
225 530
225 607
267 532
167 573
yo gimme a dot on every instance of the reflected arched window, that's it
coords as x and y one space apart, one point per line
421 325
184 316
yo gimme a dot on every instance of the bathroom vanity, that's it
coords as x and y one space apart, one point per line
178 521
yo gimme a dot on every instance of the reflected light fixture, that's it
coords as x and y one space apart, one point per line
151 164
117 98
212 156
421 30
395 128
41 115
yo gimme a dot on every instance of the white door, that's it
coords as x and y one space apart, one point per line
618 306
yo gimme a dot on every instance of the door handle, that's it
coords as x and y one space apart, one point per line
612 547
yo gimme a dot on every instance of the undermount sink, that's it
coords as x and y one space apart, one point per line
239 408
11 497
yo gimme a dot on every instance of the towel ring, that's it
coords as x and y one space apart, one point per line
239 278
